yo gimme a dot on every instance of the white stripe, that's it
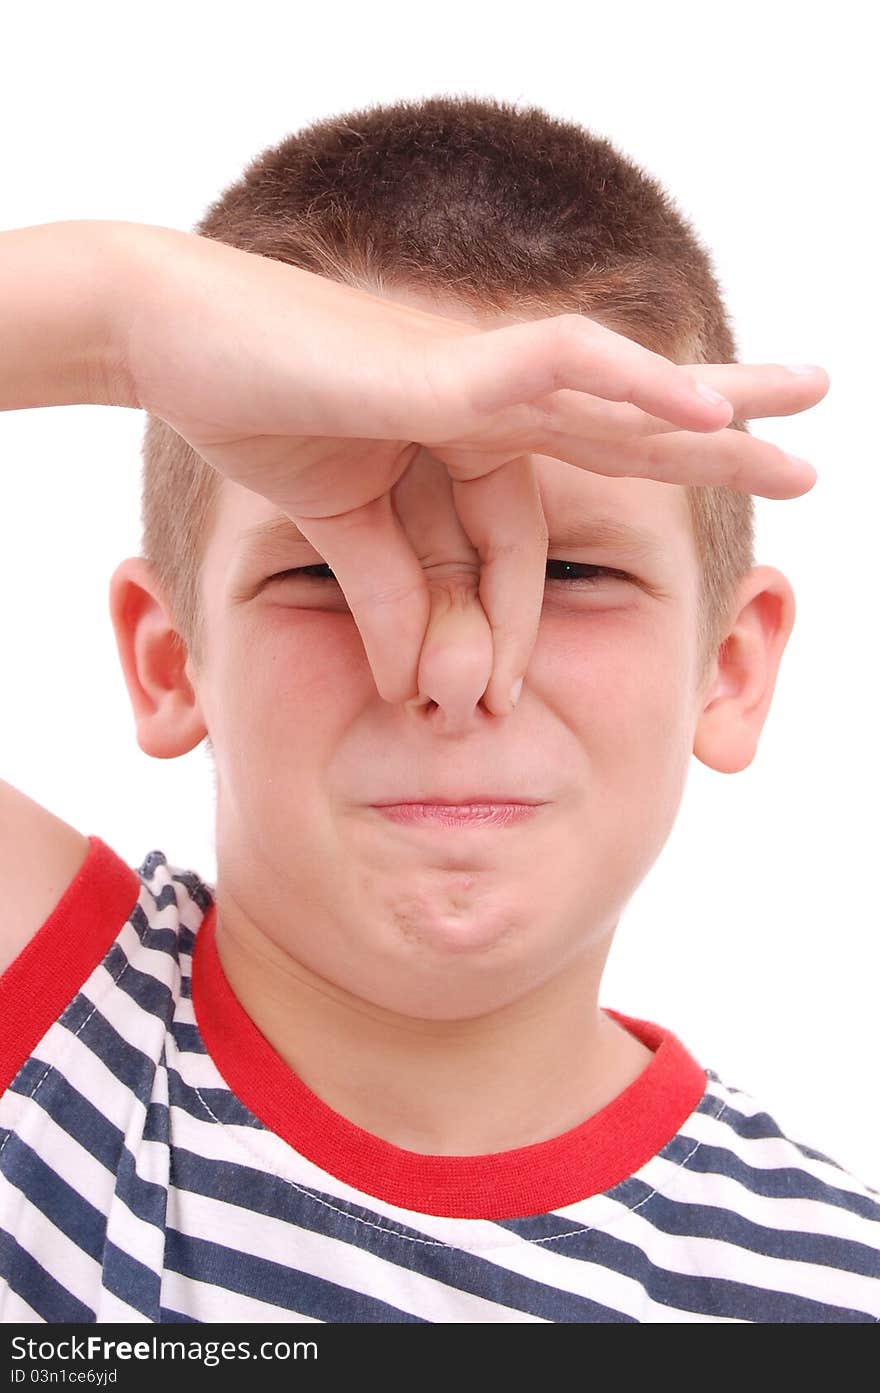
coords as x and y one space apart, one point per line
187 910
334 1260
772 1153
204 1302
88 1178
71 1268
89 1076
140 1028
197 1070
12 1308
787 1214
183 1011
545 1262
711 1258
504 1249
110 1308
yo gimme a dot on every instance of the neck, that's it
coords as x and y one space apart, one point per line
547 1062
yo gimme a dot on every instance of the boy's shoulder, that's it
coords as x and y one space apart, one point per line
739 1135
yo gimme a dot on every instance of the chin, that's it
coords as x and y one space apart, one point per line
460 919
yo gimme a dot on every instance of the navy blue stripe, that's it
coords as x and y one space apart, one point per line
777 1182
130 1064
150 994
395 1243
270 1282
126 1062
186 939
705 1295
72 1112
166 1315
691 1220
222 1102
145 1198
34 1285
152 860
69 1211
156 1123
761 1126
132 1281
164 899
175 940
159 938
754 1127
83 1224
93 1131
198 891
187 1038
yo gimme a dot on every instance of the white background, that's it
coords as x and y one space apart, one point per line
755 935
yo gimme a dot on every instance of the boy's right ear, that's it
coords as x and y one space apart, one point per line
154 658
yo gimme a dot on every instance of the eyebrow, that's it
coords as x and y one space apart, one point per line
276 535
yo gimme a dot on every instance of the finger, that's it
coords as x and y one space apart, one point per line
754 390
456 662
385 586
729 459
763 389
503 515
500 368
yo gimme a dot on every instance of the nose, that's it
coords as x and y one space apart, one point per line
458 651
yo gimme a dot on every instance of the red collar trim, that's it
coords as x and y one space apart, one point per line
47 974
589 1159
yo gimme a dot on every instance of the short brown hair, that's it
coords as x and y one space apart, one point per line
505 209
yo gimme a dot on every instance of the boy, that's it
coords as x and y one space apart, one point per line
365 1077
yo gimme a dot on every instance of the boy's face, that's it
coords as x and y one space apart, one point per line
431 922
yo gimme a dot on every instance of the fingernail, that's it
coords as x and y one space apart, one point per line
516 691
802 369
708 395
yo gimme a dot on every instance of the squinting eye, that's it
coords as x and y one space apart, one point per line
580 566
598 572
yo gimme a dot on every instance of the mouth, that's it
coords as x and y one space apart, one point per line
475 800
451 815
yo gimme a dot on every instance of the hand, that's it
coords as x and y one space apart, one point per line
319 397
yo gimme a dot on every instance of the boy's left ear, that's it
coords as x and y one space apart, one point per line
735 703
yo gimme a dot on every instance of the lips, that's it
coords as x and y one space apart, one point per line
460 800
457 815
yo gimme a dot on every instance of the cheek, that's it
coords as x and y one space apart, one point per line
289 682
625 697
622 680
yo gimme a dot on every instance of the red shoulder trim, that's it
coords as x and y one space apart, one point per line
52 966
589 1159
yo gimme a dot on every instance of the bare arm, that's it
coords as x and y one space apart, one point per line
59 283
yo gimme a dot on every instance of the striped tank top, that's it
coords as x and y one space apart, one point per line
159 1162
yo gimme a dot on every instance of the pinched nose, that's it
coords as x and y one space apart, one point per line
457 655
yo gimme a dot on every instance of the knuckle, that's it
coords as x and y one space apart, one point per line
520 548
642 463
456 583
385 596
568 337
575 327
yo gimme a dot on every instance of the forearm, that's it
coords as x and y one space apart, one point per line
60 285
